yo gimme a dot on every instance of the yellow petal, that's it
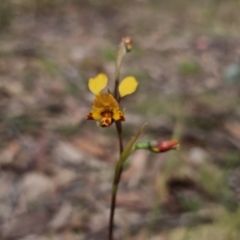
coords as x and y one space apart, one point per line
127 86
104 100
118 115
97 84
94 115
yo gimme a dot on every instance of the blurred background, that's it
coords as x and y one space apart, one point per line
56 168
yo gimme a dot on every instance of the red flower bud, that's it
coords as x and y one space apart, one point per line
163 146
158 147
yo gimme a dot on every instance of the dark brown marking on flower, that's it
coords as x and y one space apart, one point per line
89 116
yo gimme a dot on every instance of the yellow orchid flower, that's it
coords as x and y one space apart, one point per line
105 106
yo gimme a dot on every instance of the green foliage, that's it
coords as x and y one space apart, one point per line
232 160
109 54
23 123
68 130
150 106
189 68
6 13
204 124
43 6
192 203
212 178
49 65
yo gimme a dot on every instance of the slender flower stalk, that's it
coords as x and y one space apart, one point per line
124 47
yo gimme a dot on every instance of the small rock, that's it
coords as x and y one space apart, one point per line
8 154
28 225
62 217
6 182
197 155
34 237
98 221
8 195
35 185
231 73
63 176
66 153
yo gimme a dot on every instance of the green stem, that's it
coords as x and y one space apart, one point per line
116 180
124 47
116 94
119 131
112 211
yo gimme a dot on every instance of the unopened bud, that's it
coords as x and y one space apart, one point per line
127 43
157 147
